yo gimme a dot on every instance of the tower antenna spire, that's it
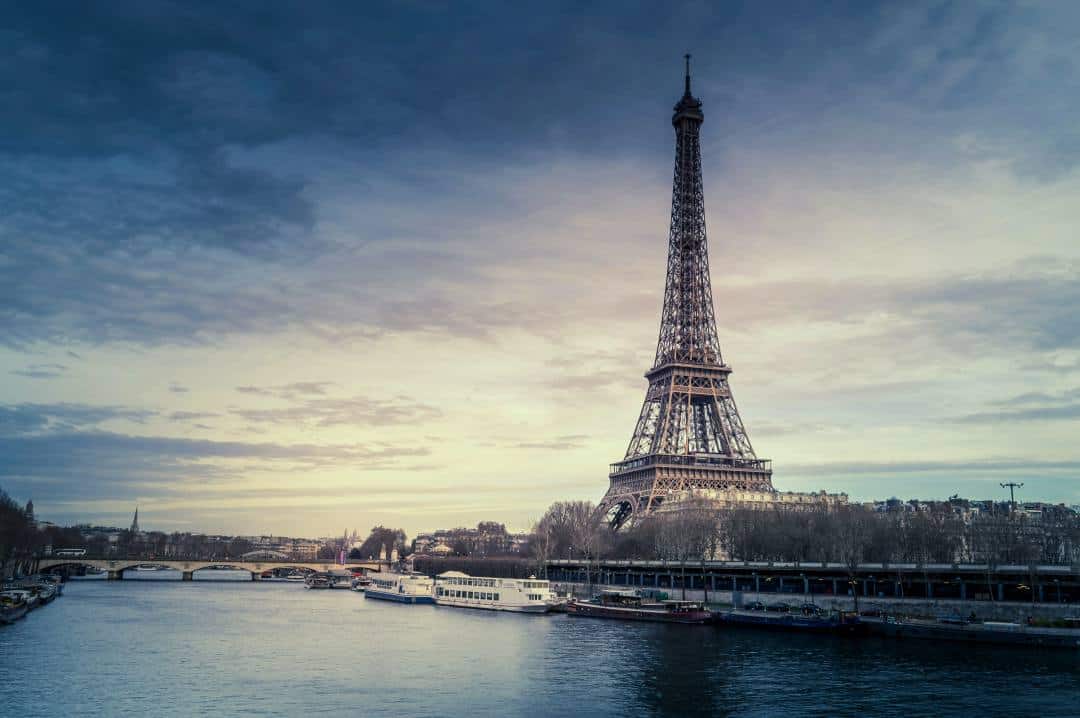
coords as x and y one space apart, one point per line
687 56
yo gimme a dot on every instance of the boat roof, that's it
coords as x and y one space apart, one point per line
454 574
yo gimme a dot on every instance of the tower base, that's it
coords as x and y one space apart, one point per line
639 486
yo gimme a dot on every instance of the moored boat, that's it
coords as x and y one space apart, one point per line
809 620
43 592
340 579
968 631
317 580
24 596
57 582
12 606
454 588
630 606
360 584
401 587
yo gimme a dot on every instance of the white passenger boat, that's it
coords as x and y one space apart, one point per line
521 595
401 587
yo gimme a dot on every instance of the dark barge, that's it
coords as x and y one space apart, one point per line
989 632
806 621
630 606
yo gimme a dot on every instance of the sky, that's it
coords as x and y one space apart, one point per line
290 269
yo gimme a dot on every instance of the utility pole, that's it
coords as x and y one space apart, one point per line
1012 486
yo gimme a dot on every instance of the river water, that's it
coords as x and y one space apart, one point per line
165 648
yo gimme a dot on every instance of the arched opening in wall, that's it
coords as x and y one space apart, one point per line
223 572
619 514
149 572
73 570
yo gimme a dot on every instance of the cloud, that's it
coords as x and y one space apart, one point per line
288 391
774 428
306 182
880 468
357 410
1068 412
64 466
309 404
196 194
559 443
41 371
192 416
1029 406
1039 397
1017 305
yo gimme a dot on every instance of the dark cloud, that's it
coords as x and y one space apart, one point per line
24 419
178 388
156 155
62 466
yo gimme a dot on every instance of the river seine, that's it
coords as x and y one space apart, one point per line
165 648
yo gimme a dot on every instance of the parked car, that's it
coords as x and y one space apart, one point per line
780 607
755 606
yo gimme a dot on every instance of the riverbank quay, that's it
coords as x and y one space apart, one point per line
977 583
1013 611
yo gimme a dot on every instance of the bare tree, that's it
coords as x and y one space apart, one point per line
687 534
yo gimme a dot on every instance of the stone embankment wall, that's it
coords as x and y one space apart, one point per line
985 610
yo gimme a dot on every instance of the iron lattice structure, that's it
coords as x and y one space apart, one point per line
689 434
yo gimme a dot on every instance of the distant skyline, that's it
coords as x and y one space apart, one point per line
284 270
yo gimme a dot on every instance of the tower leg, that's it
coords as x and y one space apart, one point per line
187 576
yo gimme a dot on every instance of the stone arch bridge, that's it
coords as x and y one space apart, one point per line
116 566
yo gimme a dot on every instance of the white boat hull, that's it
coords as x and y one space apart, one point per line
492 606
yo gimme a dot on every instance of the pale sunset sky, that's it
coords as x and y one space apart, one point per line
288 270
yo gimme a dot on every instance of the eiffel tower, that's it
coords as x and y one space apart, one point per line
689 434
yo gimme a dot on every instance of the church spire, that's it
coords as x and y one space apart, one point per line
135 522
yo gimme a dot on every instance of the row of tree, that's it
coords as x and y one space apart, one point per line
381 542
18 534
849 535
